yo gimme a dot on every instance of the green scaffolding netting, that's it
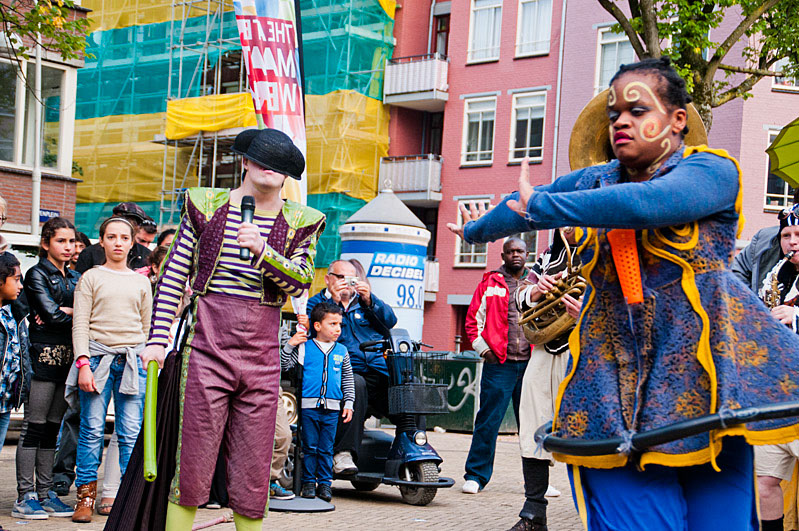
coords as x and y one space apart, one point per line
345 45
127 69
338 208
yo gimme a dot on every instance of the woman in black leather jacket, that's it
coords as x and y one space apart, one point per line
49 286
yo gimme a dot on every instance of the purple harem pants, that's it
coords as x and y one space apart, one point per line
229 395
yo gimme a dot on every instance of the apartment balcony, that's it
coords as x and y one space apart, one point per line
416 179
418 82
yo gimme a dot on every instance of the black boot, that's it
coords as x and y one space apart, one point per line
526 524
536 481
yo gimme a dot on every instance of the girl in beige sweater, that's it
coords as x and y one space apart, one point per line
111 323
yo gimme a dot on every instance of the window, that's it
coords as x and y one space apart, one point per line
17 110
435 133
614 50
779 194
533 31
8 114
784 82
478 131
470 255
484 31
527 128
442 34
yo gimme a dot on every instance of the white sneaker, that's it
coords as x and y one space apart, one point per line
471 487
552 492
344 465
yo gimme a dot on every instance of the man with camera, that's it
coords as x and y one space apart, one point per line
366 318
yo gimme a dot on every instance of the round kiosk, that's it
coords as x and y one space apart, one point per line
391 244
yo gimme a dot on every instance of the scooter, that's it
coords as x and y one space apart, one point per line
407 460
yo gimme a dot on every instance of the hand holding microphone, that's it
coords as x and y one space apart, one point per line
249 236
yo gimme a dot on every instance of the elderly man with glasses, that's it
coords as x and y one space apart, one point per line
366 318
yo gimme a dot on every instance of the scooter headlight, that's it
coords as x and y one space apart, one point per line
420 438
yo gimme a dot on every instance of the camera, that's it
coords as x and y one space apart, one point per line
351 281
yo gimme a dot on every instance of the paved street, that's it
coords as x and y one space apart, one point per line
496 508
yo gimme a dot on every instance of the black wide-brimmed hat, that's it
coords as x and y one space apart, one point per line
274 150
242 142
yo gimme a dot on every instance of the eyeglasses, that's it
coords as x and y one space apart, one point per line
148 223
340 277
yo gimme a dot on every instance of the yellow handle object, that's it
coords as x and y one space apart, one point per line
150 402
625 257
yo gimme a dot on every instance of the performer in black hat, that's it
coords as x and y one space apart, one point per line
226 392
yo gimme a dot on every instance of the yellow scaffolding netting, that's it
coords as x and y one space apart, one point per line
119 160
347 135
190 116
111 14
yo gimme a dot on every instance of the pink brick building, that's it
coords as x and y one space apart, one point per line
460 125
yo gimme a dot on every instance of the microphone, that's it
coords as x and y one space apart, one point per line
247 212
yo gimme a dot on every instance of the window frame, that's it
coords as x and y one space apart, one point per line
780 87
66 126
469 51
459 242
598 61
465 139
512 144
786 196
519 55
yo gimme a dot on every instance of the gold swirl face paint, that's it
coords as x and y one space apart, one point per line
632 94
645 123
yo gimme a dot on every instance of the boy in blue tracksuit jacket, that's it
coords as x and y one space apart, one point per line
327 385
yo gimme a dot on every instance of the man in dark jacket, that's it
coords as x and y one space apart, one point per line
366 318
137 257
754 262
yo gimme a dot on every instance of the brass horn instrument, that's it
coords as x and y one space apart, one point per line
773 294
549 318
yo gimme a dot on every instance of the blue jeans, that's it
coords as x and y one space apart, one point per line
5 419
500 383
127 421
318 433
663 498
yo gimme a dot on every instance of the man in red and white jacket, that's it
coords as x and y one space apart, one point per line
493 330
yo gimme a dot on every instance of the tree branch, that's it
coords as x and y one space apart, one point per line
752 71
635 8
650 23
617 13
735 92
733 37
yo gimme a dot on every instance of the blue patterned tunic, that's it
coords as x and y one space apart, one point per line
700 342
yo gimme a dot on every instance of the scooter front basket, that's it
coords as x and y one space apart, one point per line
417 399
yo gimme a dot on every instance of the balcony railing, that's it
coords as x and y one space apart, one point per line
416 179
417 82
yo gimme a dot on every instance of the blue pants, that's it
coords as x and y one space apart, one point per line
500 383
127 420
318 433
5 419
671 499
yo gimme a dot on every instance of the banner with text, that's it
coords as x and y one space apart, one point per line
270 45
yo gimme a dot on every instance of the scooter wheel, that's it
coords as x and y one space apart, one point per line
421 471
365 486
